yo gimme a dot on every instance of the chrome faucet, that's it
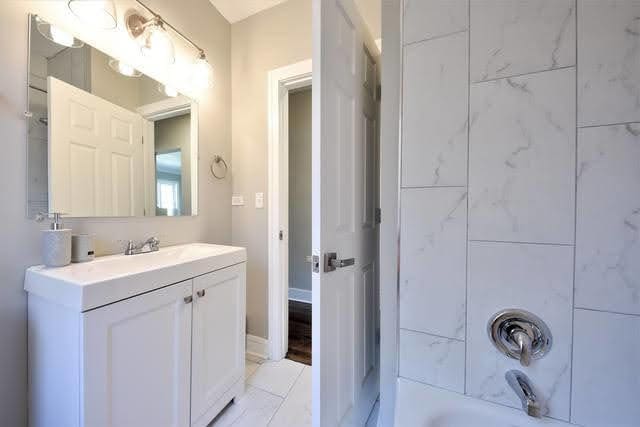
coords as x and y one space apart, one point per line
521 384
152 243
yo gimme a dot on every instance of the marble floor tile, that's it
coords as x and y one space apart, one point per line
254 408
249 368
276 377
295 411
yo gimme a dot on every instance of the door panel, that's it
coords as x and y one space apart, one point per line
96 164
136 365
343 209
218 345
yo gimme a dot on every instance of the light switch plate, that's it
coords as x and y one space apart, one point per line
237 201
259 200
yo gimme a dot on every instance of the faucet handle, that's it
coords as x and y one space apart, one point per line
154 243
524 343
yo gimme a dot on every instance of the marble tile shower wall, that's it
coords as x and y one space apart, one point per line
521 188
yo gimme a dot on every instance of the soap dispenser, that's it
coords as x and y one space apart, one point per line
56 242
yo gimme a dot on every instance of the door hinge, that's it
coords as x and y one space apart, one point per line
281 235
378 92
142 139
378 215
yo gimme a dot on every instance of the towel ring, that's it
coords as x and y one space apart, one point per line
217 160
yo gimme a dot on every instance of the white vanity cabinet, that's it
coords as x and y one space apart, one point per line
171 354
136 360
218 323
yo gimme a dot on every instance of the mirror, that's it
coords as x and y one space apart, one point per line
104 140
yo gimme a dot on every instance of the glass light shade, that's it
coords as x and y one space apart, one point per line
124 69
157 45
202 74
57 35
98 13
168 90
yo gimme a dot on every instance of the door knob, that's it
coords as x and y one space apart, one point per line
188 299
200 293
331 262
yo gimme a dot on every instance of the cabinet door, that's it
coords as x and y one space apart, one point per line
218 338
136 360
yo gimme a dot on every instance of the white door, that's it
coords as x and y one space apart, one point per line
344 200
136 360
96 165
218 339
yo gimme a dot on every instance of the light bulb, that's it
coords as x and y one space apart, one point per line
157 45
124 69
98 13
202 74
60 36
57 35
168 90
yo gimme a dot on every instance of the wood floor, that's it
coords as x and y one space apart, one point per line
299 332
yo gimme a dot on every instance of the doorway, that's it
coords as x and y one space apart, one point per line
299 236
289 291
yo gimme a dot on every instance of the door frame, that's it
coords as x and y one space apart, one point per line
280 82
165 109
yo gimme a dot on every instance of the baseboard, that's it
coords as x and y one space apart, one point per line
301 295
257 348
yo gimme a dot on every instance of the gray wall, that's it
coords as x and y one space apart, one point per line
20 237
270 39
534 205
299 189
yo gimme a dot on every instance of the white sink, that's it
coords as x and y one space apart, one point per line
421 405
112 278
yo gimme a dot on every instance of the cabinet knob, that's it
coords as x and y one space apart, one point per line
188 299
200 293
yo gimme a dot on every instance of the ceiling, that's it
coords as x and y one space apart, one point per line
237 10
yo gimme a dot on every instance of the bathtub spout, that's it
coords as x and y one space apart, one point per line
521 384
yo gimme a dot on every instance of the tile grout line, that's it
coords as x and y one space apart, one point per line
438 37
597 310
432 335
566 67
513 242
421 187
466 243
286 396
575 220
605 124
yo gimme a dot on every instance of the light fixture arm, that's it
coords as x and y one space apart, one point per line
157 19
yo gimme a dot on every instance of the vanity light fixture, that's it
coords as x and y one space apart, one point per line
202 74
156 43
57 35
124 69
153 37
98 13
